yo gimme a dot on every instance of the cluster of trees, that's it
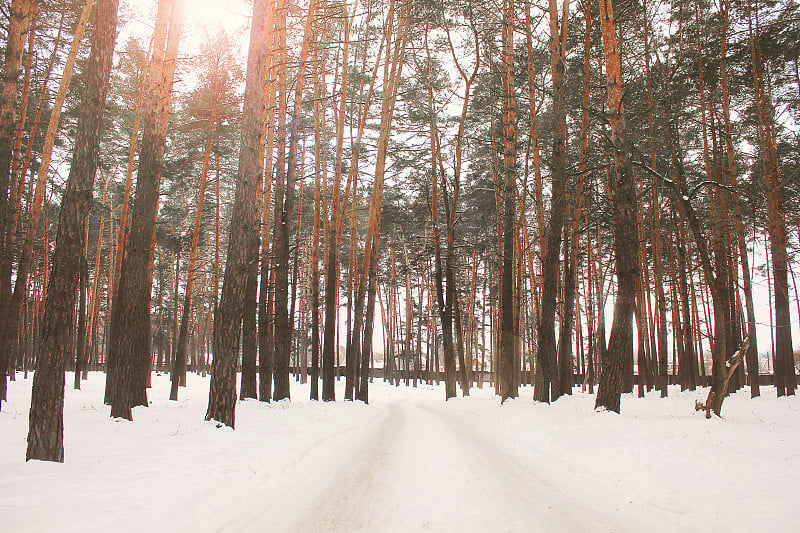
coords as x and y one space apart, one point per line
477 180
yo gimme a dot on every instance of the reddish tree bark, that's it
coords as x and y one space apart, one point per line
129 343
245 227
626 238
46 425
508 387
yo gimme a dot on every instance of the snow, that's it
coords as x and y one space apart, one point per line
407 462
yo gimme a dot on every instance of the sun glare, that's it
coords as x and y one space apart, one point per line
202 17
210 14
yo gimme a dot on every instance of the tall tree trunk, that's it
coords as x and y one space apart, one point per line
94 295
285 206
662 380
565 356
244 229
395 54
249 387
46 425
547 388
785 377
751 357
266 341
9 329
280 259
463 363
444 303
129 344
335 228
355 294
582 162
319 124
178 374
408 330
534 131
623 208
122 238
505 367
80 338
20 11
355 307
294 319
566 376
452 208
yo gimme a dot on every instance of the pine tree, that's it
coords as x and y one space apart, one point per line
245 227
20 12
130 336
624 208
505 365
46 427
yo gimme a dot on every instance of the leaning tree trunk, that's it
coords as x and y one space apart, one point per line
245 227
721 369
46 426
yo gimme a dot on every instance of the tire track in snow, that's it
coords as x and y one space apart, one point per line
423 466
323 491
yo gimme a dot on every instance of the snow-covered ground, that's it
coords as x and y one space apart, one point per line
407 462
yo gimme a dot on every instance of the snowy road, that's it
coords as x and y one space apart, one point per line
421 465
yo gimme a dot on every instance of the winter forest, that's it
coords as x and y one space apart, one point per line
475 222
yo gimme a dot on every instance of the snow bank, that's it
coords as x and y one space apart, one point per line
738 473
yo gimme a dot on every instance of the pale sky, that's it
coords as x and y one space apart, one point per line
202 17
